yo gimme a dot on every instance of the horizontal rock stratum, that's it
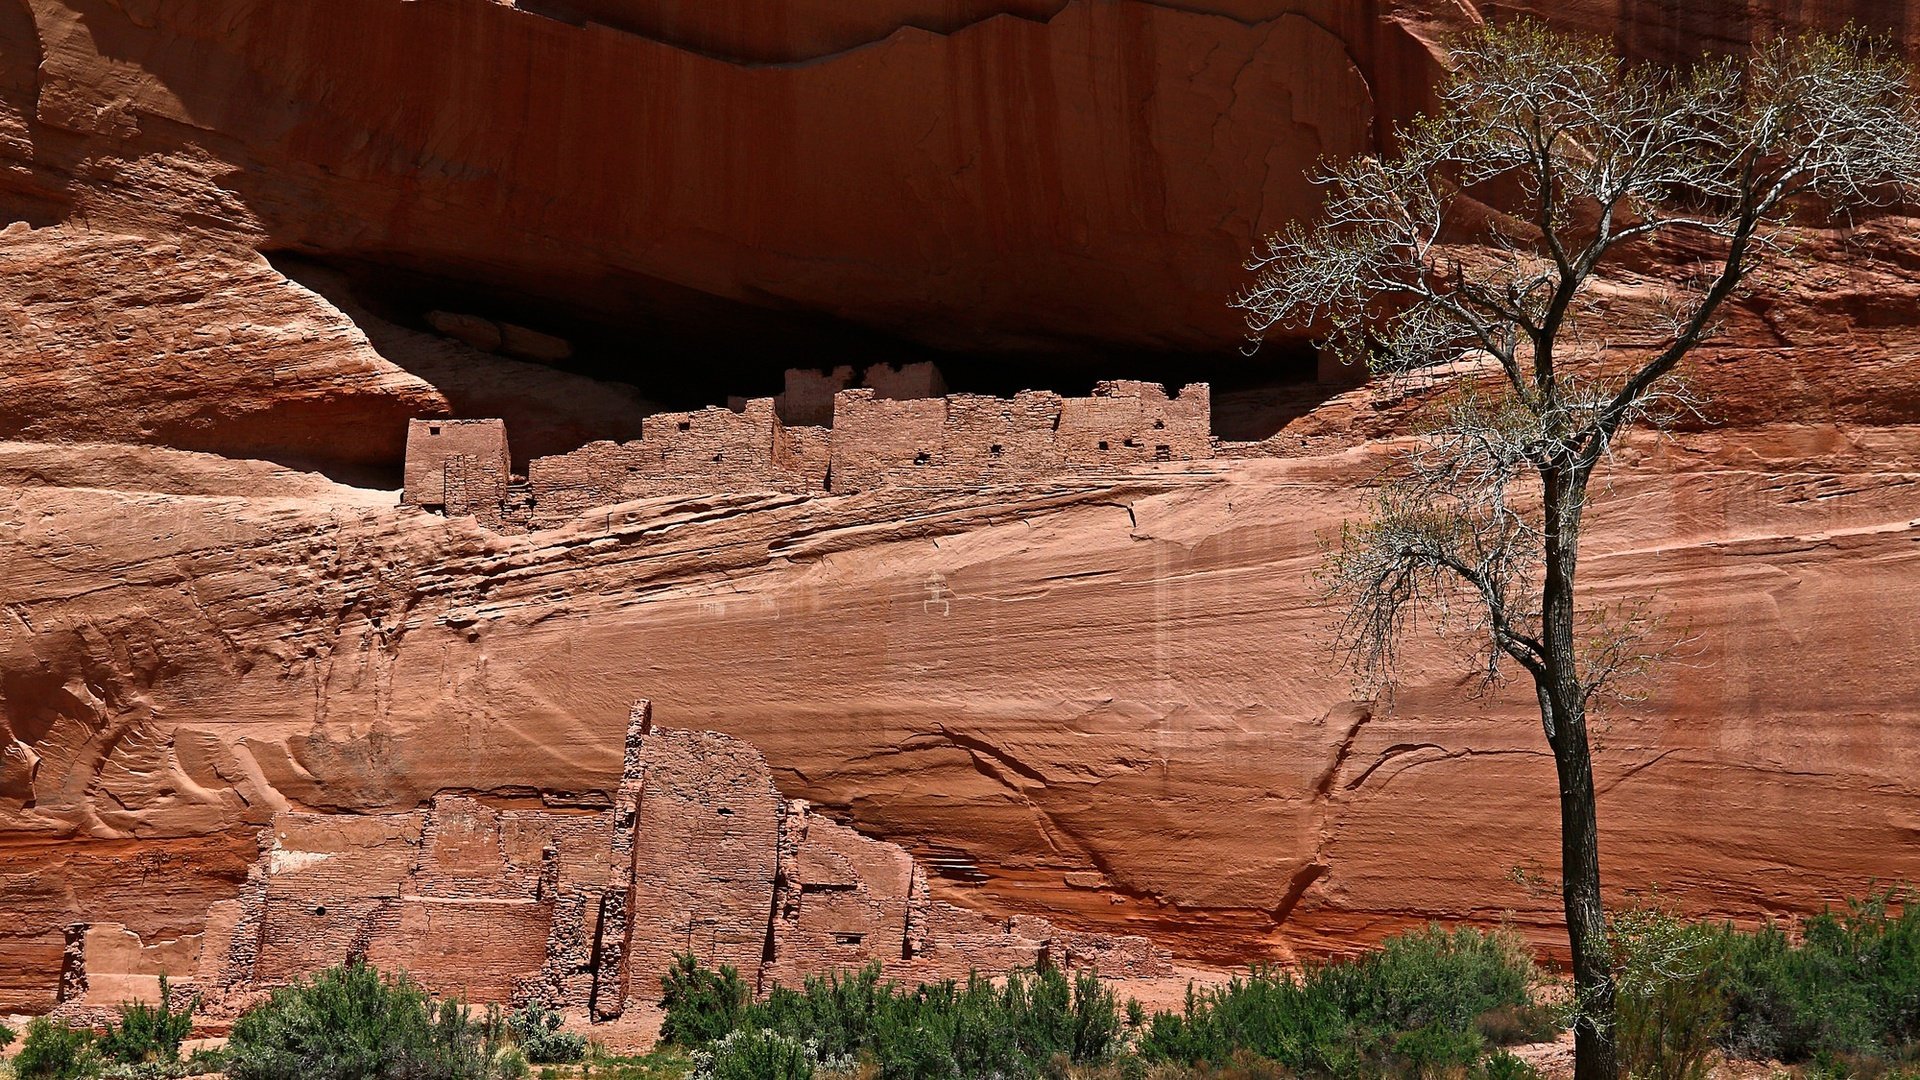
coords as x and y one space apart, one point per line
1105 700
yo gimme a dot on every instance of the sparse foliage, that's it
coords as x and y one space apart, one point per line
1416 1006
537 1029
1670 1006
148 1033
1473 256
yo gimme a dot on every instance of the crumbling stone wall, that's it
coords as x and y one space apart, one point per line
874 437
584 903
966 440
879 437
846 900
920 379
806 398
1130 423
683 453
705 854
430 445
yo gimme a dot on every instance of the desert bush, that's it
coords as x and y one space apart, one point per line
351 1023
1426 1003
1267 1012
53 1050
537 1029
1849 989
7 1035
1412 1006
1668 1007
702 1005
1018 1028
663 1062
148 1033
1516 1025
206 1060
1501 1065
510 1064
749 1053
1030 1024
145 1070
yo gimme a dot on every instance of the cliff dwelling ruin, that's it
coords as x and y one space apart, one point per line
581 900
876 436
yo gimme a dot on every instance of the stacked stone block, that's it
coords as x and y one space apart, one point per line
584 904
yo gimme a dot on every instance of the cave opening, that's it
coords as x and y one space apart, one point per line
486 348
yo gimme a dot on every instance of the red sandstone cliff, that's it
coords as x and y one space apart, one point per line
1106 700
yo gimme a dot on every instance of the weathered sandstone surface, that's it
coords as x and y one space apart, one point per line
1106 700
580 899
1109 702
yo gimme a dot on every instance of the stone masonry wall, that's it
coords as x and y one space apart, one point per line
877 440
685 453
430 443
584 903
704 855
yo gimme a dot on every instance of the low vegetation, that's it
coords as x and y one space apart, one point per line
54 1050
1424 1004
1841 998
536 1030
1837 997
146 1040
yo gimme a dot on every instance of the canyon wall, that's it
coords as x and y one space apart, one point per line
580 902
1107 700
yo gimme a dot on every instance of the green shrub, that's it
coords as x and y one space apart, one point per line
147 1033
206 1060
1850 988
53 1050
1434 1049
1029 1024
145 1070
1291 1021
701 1005
7 1035
537 1029
663 1062
1501 1065
350 1023
1414 1005
510 1064
756 1054
1669 1007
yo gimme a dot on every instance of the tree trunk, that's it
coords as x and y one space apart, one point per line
1563 708
1594 1054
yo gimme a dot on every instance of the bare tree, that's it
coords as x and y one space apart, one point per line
1472 254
